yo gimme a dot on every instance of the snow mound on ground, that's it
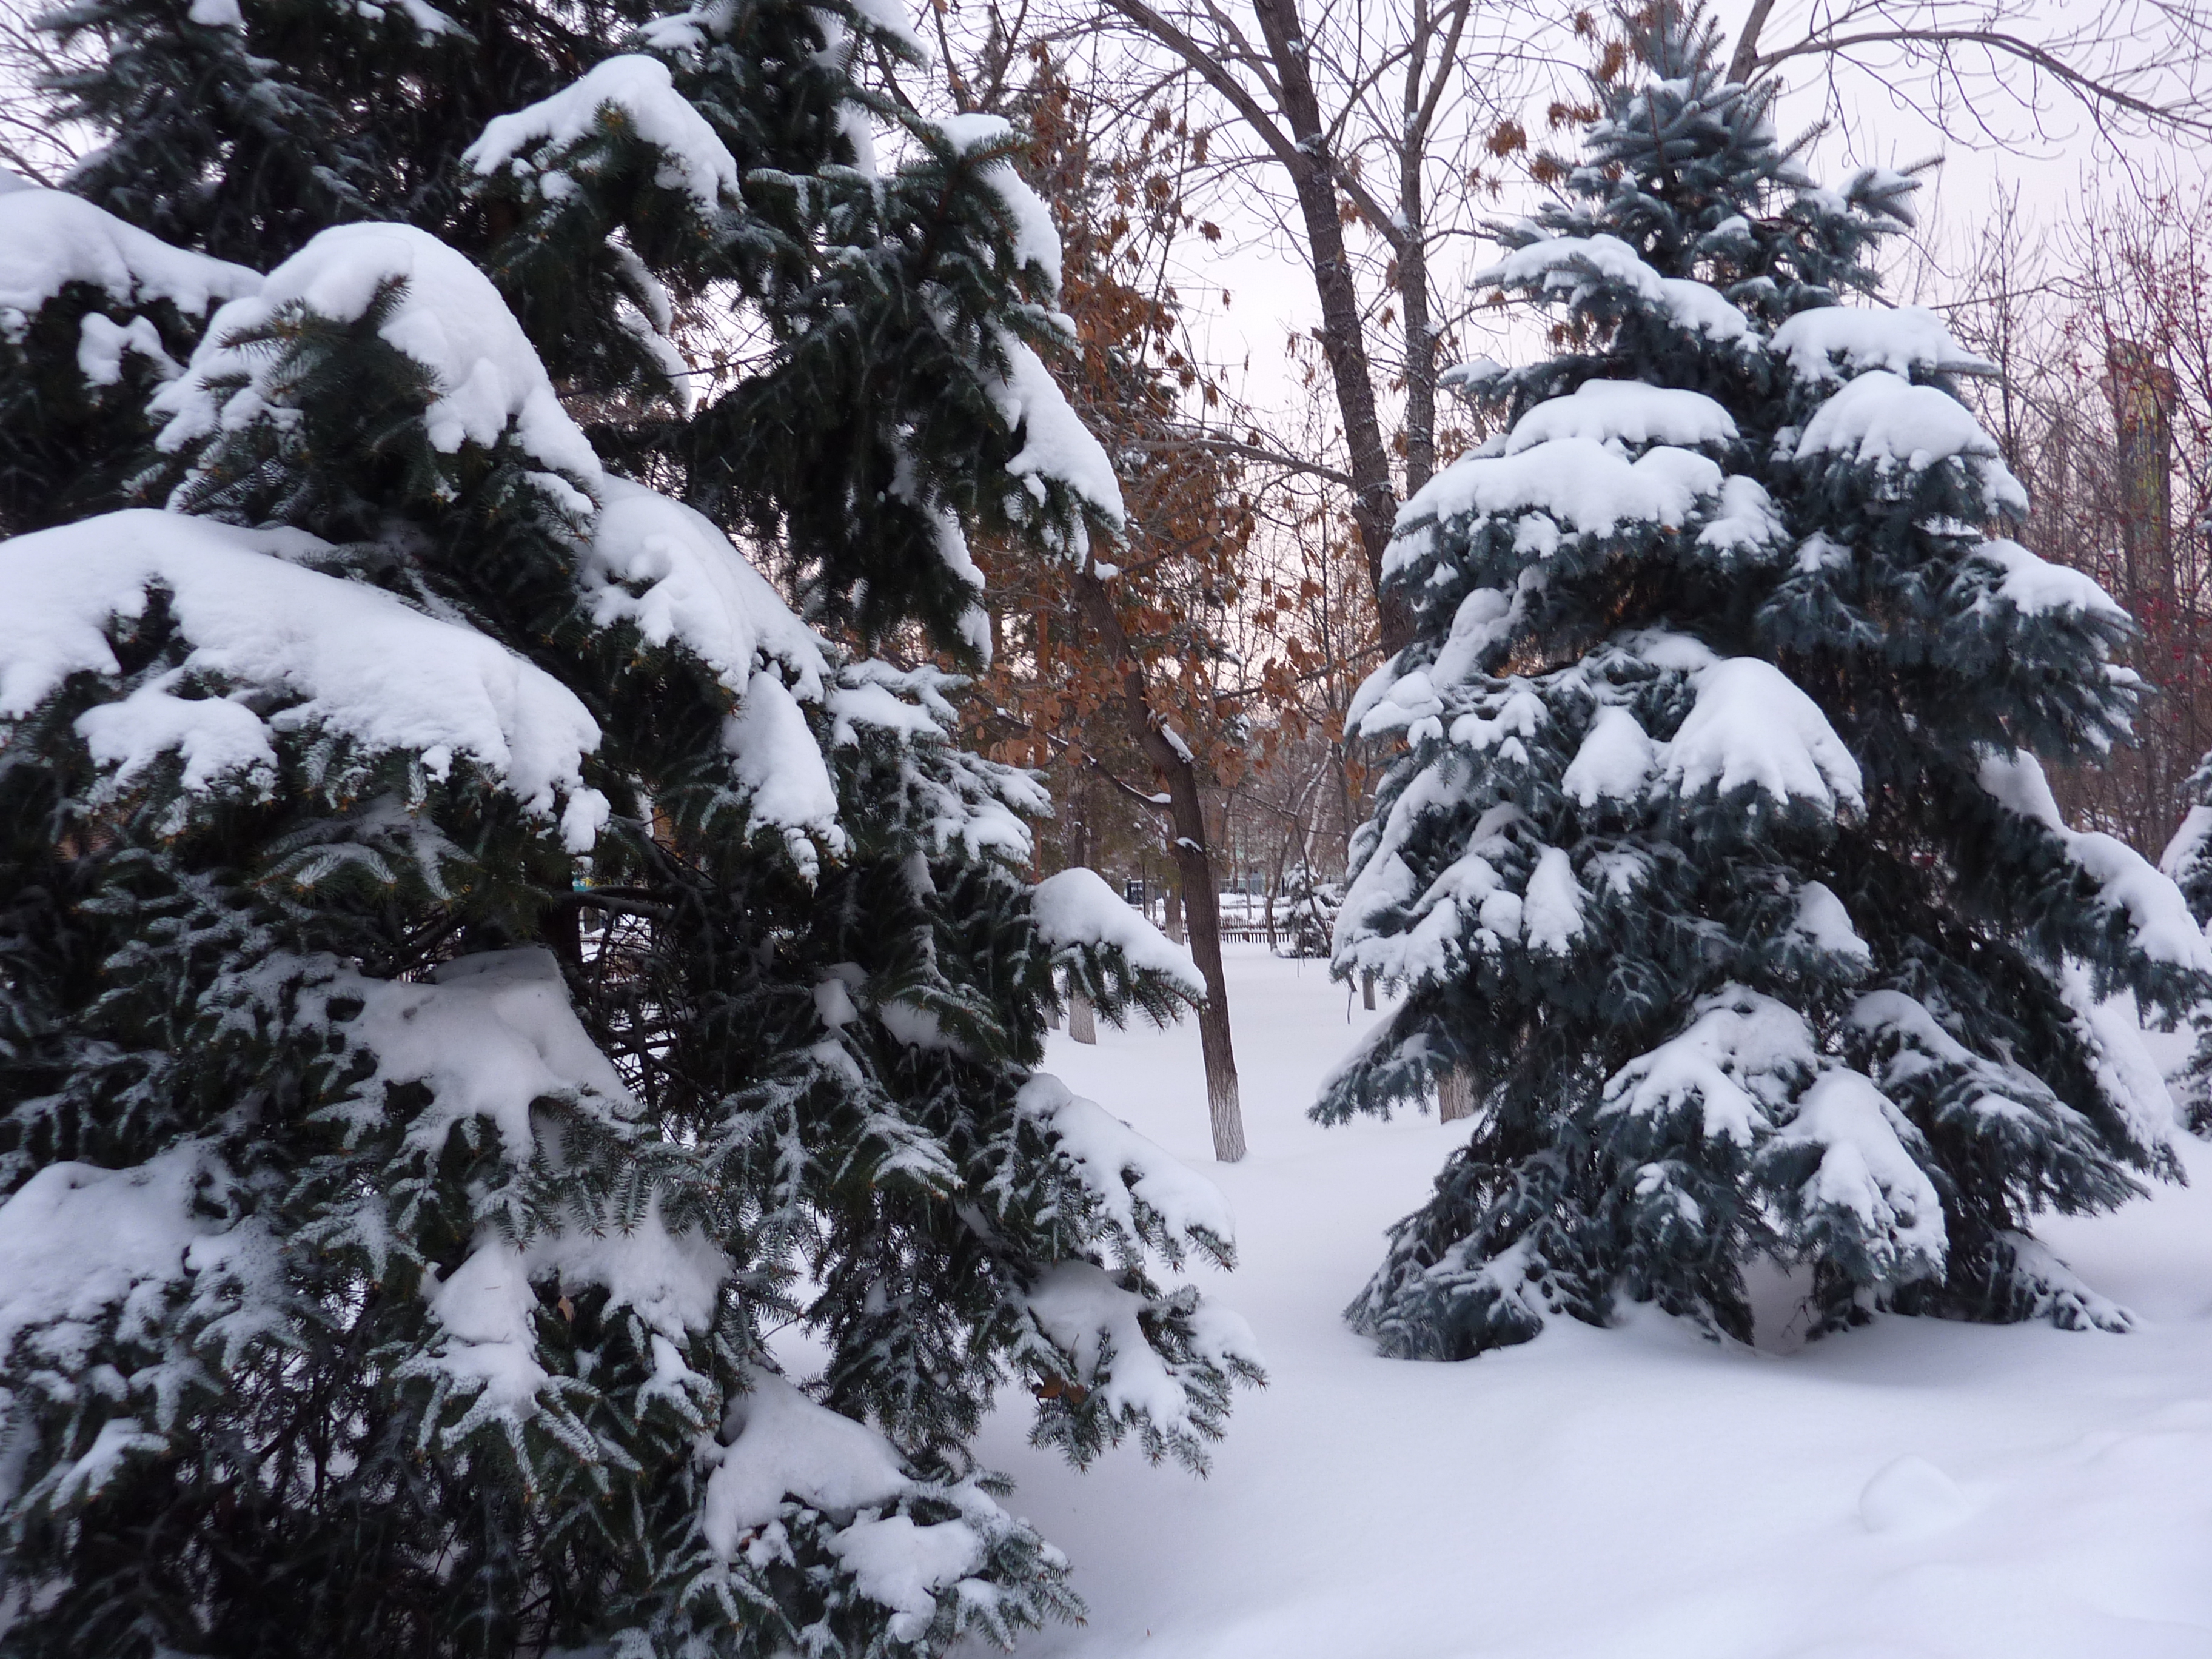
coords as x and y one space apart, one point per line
339 656
1076 909
1912 1497
50 238
448 317
629 89
1902 342
1624 412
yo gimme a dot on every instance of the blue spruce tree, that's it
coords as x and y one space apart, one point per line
1719 862
476 962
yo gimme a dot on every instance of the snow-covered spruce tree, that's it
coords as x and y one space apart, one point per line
2188 860
474 963
1720 857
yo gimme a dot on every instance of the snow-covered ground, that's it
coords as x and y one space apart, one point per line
1636 1493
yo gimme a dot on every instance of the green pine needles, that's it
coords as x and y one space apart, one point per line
519 1124
1720 860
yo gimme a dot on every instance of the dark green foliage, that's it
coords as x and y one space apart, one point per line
1720 857
450 1103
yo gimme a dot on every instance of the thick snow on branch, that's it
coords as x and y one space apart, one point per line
1628 412
336 655
1832 342
778 1443
1575 267
776 758
1124 1170
1752 726
657 563
1868 1175
2158 915
2035 587
50 238
76 1240
1076 908
1037 239
491 1034
632 91
1057 447
1883 418
1739 1063
449 318
1581 485
1095 1321
1615 762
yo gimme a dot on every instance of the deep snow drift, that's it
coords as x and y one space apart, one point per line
1915 1489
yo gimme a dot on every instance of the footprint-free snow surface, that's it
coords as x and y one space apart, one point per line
1918 1488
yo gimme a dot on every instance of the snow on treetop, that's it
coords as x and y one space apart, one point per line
1862 337
1575 267
1585 487
449 318
1036 240
50 238
630 89
1884 418
697 590
1628 412
1076 908
336 655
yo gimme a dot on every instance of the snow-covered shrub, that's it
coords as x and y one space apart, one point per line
476 962
1719 856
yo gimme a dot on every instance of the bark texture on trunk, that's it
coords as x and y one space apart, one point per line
1175 916
1201 903
1343 341
1082 1019
1367 989
1454 1095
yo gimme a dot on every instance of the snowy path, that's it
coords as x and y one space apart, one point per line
1638 1492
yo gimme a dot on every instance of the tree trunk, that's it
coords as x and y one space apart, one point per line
1343 338
1175 916
1201 904
1367 988
1454 1095
1082 1021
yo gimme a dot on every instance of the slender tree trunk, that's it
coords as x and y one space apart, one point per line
1082 1019
1201 903
1374 498
1454 1095
1175 916
1367 988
